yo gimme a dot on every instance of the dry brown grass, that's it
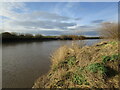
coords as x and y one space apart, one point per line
109 30
64 51
84 57
59 55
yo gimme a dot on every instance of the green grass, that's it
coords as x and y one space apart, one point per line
115 57
97 67
71 60
67 63
113 42
105 59
79 79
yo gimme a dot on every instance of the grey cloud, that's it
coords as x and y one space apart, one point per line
85 26
57 32
10 9
44 15
46 32
97 21
43 24
77 18
91 33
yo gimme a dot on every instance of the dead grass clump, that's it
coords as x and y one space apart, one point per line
62 53
40 82
59 55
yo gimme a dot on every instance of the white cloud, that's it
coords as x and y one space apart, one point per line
39 15
67 9
26 21
84 28
37 21
41 24
7 9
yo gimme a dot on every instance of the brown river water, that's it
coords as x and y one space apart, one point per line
24 62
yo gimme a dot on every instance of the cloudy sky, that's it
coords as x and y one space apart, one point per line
56 18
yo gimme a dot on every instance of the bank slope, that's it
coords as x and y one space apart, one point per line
93 66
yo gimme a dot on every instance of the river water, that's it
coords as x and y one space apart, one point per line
24 62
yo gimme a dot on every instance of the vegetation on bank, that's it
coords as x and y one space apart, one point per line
6 36
93 66
79 66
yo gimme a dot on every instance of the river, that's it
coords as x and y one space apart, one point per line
24 62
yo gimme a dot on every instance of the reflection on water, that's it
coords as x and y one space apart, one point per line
24 62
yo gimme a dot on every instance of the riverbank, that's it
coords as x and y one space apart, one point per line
14 37
93 66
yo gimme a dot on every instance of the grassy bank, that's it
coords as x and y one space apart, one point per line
75 66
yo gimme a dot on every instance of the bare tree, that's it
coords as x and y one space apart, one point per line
109 30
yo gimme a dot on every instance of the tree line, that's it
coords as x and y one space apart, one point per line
7 36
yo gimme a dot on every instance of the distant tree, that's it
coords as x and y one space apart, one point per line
38 36
28 36
6 35
82 37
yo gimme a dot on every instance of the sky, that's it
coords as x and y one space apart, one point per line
56 18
